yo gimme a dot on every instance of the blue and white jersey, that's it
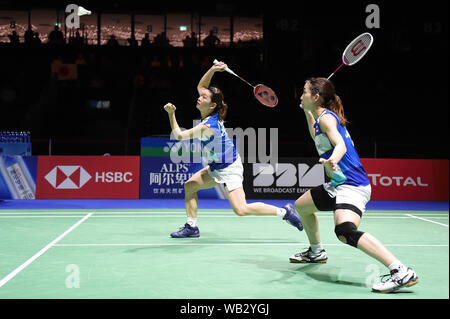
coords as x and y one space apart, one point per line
219 148
351 171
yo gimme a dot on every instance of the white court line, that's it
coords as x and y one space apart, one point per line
42 251
42 216
178 216
204 213
203 216
427 220
233 244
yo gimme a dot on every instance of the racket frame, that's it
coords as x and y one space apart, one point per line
349 46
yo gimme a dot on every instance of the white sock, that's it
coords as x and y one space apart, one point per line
316 248
192 221
281 212
397 265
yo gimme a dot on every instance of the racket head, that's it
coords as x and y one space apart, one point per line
357 49
265 95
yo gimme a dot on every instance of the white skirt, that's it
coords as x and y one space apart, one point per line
232 175
357 196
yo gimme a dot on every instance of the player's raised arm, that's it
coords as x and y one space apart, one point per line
177 133
206 78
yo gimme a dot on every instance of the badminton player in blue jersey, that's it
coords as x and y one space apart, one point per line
348 191
224 163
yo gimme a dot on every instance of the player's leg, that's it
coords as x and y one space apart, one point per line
238 202
306 207
307 210
200 180
240 206
350 204
347 223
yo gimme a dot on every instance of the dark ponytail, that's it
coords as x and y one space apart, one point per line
335 105
329 98
221 106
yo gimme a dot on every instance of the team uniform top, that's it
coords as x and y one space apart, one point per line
351 171
219 148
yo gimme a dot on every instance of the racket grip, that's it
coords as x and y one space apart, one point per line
226 69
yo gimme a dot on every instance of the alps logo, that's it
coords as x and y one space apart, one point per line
68 177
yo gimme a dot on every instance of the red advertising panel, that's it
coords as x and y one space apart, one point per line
87 177
408 179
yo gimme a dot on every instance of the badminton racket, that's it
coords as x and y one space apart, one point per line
264 94
355 51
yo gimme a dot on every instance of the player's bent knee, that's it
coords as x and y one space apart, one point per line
240 210
300 206
190 186
348 233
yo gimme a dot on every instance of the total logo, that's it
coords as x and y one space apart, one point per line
75 177
378 179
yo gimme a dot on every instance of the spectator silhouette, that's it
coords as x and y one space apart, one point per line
190 41
161 40
112 42
211 40
14 38
145 42
28 36
76 40
36 40
56 36
132 41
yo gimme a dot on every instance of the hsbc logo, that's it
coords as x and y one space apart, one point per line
68 177
75 176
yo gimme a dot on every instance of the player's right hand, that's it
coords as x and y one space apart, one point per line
219 66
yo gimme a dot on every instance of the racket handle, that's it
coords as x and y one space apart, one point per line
226 69
335 71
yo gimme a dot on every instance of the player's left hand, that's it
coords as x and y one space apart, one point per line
170 108
330 163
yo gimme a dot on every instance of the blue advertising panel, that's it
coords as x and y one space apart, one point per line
161 178
18 177
167 164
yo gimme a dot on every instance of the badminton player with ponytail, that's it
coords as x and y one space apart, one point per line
224 163
348 191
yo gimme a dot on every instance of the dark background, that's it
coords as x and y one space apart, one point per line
396 98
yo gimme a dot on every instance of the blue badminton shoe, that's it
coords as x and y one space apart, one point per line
292 217
186 231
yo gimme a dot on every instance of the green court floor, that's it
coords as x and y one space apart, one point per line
105 254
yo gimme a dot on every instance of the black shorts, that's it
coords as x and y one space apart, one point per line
322 199
325 202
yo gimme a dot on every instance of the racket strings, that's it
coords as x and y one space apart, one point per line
265 95
357 50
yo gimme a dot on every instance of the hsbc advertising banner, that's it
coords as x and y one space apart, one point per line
408 179
288 179
88 177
